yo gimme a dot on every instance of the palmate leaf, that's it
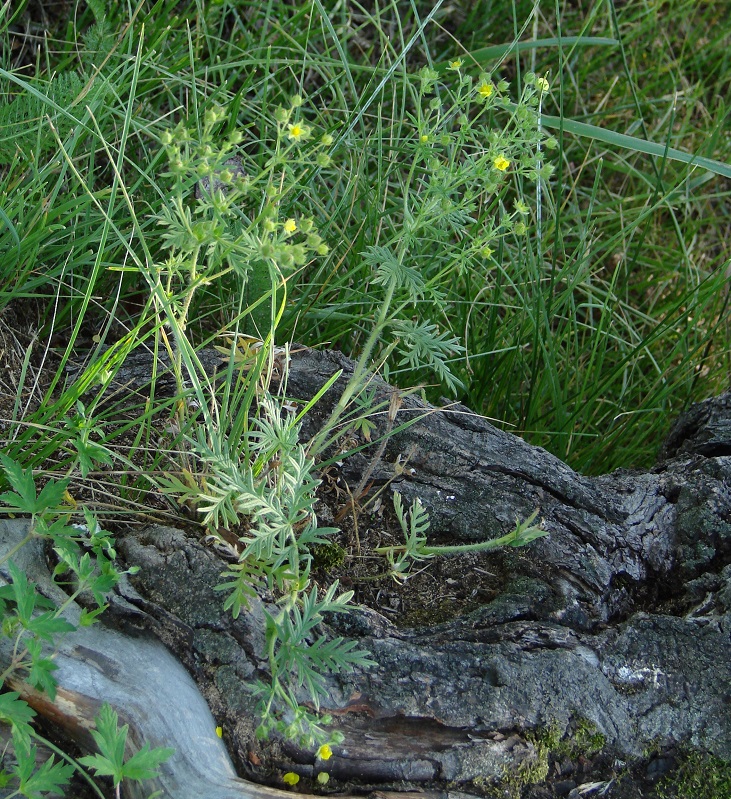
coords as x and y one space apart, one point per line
23 594
36 782
109 762
49 624
23 483
41 670
24 497
18 714
143 765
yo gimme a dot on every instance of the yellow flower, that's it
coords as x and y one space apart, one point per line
219 732
542 84
424 138
290 778
501 163
290 226
485 89
298 132
323 778
325 752
456 64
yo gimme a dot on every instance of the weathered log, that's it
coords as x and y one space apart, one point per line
620 619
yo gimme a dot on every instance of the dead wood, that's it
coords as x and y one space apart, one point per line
619 620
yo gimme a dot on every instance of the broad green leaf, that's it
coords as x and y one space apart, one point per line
18 714
24 594
111 741
143 765
102 766
36 782
22 481
49 624
52 495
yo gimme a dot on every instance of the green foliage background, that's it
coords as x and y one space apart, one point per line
586 334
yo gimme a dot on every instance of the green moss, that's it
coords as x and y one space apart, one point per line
699 776
585 740
327 557
548 743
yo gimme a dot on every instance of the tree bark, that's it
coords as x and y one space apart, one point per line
619 621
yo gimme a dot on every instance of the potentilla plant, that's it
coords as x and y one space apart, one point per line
235 228
251 463
460 168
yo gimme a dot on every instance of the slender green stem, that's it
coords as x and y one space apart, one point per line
75 763
355 383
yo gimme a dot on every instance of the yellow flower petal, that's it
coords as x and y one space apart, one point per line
501 163
325 752
219 732
298 132
290 778
290 226
485 90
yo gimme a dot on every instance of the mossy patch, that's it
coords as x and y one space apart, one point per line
699 776
583 739
327 557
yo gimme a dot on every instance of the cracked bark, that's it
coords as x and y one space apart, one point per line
620 617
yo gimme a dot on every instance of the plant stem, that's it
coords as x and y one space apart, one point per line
75 763
361 368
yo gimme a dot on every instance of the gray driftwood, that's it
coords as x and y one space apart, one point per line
621 617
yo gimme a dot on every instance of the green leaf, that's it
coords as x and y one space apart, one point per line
423 345
24 498
102 766
111 740
41 677
24 594
17 713
48 624
52 495
34 781
91 454
89 617
22 481
98 9
627 142
143 765
498 52
390 268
